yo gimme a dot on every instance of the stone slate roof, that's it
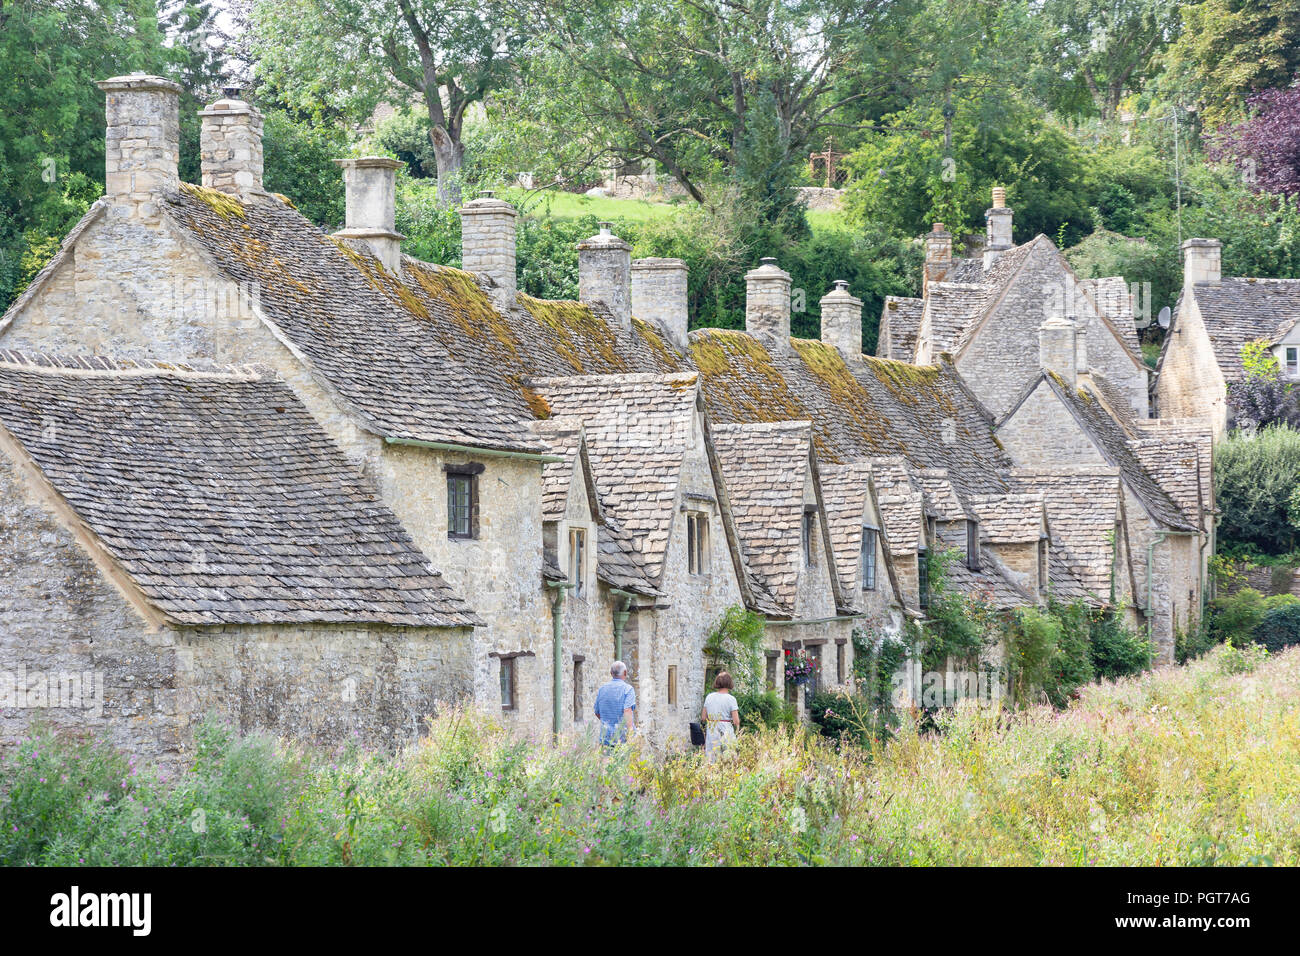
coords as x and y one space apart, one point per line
868 409
1114 443
845 489
422 356
990 583
1237 310
1111 294
1009 518
1082 507
1066 586
900 321
219 495
765 467
902 504
1176 466
944 501
1186 430
966 270
638 429
954 308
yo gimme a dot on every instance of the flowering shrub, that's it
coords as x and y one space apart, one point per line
799 667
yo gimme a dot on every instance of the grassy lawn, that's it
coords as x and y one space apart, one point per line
1198 764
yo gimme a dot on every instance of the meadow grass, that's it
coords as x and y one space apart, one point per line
1191 765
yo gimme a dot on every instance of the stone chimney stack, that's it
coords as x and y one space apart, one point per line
487 243
141 143
370 196
999 227
938 256
230 146
767 302
605 274
842 320
659 295
1202 261
1058 348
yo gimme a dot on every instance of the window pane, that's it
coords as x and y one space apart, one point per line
869 542
459 505
507 683
692 531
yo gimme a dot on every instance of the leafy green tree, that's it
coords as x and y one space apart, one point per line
351 55
1229 49
1255 478
1097 50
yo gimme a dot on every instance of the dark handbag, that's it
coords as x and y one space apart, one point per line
697 734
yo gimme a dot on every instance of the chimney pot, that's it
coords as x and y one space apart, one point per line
999 197
141 142
767 302
659 295
842 320
370 197
605 274
999 220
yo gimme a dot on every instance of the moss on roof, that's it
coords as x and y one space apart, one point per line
666 356
223 204
467 304
577 332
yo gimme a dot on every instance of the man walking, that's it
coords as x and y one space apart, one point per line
615 702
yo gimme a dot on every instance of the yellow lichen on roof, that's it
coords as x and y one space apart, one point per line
537 402
223 204
579 335
654 341
742 377
284 199
381 281
467 303
904 380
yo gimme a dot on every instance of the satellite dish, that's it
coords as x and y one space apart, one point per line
1163 318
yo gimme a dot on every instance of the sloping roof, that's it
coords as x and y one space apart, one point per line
946 503
423 356
900 321
1111 294
1192 430
953 307
638 429
561 440
966 270
844 493
765 467
867 409
1237 310
1066 585
56 261
1082 507
1176 466
990 583
1112 441
1009 518
618 563
219 495
901 502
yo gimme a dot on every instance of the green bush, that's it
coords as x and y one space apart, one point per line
765 709
1255 478
1280 627
1117 650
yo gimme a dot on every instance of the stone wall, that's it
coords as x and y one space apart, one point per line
1190 384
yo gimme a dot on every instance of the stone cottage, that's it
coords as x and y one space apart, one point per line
1215 318
589 480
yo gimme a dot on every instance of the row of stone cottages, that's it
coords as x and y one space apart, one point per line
236 449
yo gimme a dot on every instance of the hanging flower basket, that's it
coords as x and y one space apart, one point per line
799 667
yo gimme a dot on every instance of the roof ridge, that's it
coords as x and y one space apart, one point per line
52 363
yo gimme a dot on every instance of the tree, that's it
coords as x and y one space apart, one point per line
707 89
1254 478
1229 49
351 55
1265 147
1105 47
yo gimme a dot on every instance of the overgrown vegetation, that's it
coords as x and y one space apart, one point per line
1143 771
1256 477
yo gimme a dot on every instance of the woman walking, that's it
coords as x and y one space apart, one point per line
721 717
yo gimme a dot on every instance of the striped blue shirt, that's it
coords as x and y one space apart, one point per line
611 700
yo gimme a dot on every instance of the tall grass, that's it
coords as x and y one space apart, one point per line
1182 766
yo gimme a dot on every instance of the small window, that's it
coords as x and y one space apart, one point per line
870 542
772 660
578 561
460 506
507 683
578 710
839 663
672 686
697 542
813 684
973 545
1292 361
923 577
809 532
1042 564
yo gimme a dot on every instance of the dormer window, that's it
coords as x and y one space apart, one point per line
697 542
870 539
973 545
577 561
809 531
